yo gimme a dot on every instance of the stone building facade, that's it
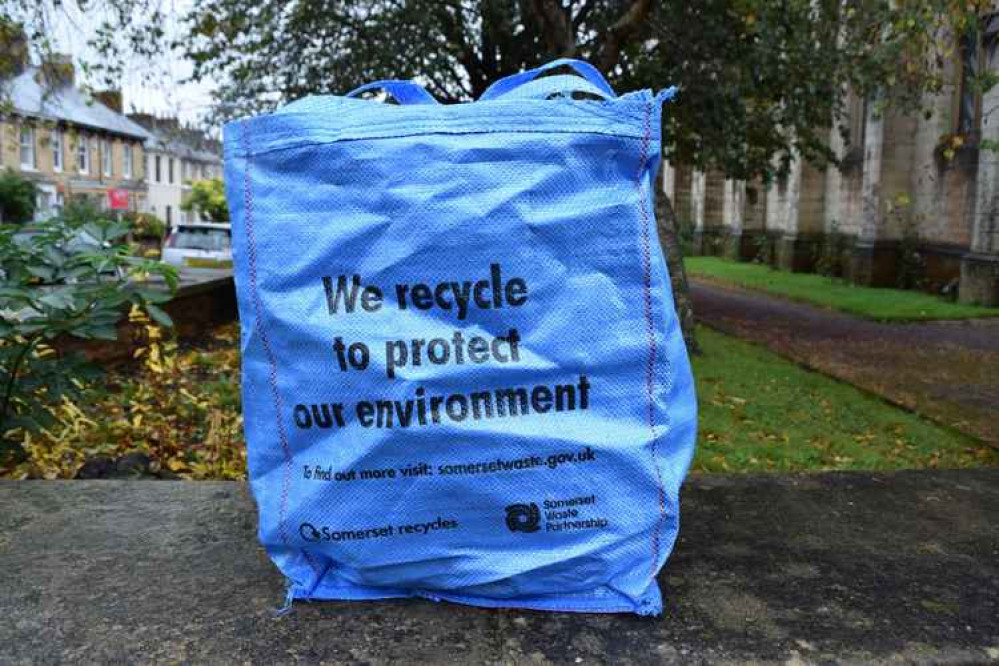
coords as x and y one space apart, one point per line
176 156
915 199
70 145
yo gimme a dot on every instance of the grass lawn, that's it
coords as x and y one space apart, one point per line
759 412
870 302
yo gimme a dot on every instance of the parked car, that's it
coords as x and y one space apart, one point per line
199 245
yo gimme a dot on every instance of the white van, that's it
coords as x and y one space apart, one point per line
199 245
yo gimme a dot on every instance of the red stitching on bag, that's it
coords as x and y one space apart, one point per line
251 256
649 325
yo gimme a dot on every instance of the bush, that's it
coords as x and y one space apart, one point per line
80 210
17 198
831 253
145 225
59 278
207 197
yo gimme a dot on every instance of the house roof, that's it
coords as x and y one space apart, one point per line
174 145
167 135
30 98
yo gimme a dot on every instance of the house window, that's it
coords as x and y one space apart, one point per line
170 170
126 160
82 155
57 150
159 173
106 156
27 147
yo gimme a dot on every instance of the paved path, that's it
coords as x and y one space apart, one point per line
948 371
824 568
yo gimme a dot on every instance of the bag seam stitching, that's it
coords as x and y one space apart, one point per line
265 342
650 327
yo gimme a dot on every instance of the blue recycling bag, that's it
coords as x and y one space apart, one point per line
463 376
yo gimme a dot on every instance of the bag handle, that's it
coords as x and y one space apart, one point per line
561 84
584 69
404 92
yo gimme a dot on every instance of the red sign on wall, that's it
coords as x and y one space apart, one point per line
118 199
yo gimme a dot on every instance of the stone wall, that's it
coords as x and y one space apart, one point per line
195 308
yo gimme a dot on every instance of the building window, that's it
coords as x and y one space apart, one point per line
169 216
27 147
106 157
126 160
82 155
170 170
57 150
159 173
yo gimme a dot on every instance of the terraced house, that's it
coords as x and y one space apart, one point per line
70 145
176 156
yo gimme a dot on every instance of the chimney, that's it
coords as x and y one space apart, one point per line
145 119
58 71
110 99
13 49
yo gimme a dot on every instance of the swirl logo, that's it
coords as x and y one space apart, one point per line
309 532
523 517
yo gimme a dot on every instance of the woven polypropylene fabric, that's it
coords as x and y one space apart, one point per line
463 376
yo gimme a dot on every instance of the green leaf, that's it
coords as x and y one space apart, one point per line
99 332
44 272
58 298
159 315
153 295
16 293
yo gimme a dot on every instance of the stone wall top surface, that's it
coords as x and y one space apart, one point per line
839 566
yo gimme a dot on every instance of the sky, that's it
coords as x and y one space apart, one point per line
167 94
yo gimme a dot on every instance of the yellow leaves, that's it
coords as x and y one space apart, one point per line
198 402
43 350
176 465
153 360
137 315
179 408
949 145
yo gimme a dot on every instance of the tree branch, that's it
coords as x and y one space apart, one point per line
560 36
617 35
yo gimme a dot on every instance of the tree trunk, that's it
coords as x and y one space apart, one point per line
670 240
